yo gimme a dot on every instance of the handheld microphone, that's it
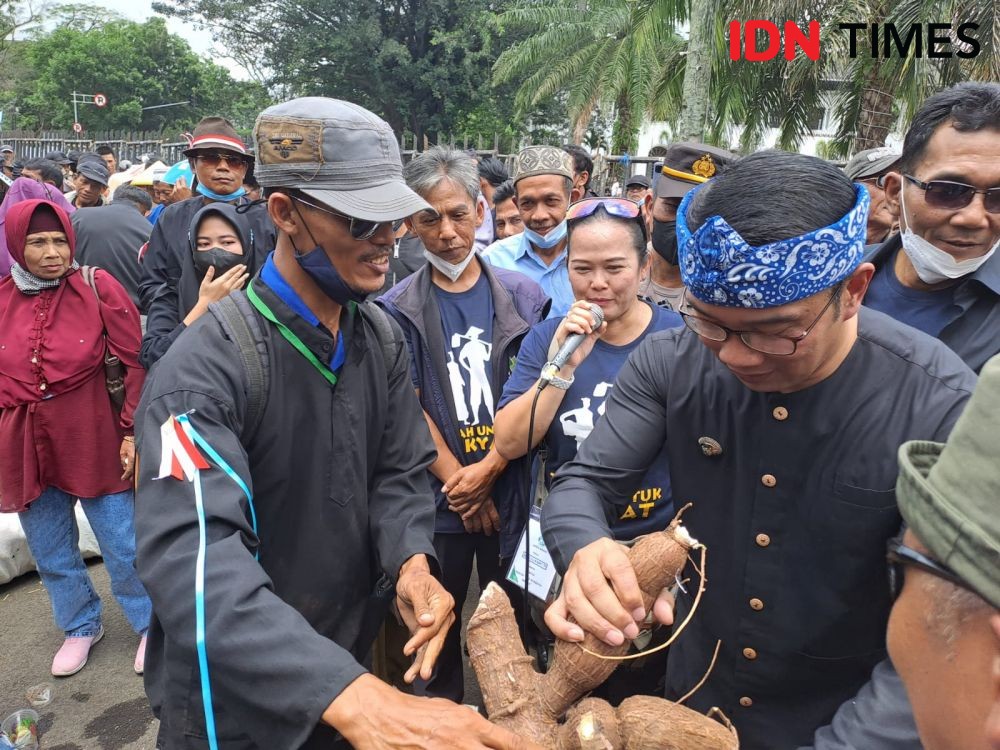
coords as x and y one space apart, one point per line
551 369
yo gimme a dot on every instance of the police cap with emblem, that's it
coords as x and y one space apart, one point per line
687 165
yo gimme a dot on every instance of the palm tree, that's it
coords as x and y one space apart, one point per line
869 95
628 54
614 52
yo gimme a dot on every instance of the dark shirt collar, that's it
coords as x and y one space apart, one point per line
987 274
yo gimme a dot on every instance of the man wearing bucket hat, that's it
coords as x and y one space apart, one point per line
543 190
219 160
773 411
297 389
945 574
685 166
869 167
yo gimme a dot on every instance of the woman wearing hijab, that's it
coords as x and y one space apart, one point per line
25 189
220 242
61 437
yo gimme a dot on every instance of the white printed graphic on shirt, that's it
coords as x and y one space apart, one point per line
578 423
470 383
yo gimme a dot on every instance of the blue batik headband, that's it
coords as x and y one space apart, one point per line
720 268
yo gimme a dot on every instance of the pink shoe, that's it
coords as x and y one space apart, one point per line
140 656
72 657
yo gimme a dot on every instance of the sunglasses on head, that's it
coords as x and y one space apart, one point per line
621 208
899 555
213 159
360 229
956 195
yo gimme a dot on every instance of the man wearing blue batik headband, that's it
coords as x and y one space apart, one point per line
775 408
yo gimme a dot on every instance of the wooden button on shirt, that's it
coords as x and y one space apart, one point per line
749 653
763 540
780 413
768 480
756 604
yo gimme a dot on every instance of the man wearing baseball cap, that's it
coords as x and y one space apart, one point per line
869 167
543 190
170 288
637 188
945 576
685 166
311 493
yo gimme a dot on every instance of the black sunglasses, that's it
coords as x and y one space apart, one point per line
360 229
899 555
213 159
956 195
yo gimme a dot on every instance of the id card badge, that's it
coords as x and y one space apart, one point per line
542 577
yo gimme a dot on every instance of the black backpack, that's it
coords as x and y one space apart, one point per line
241 323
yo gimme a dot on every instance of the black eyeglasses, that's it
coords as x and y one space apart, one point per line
213 159
360 229
956 195
765 343
622 208
899 555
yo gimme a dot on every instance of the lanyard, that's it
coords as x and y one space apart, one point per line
290 336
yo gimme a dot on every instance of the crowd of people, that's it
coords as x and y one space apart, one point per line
302 391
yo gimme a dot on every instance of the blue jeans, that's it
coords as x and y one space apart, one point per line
54 539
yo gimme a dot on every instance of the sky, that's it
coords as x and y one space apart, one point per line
200 40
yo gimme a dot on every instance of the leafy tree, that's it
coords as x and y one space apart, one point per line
135 66
423 65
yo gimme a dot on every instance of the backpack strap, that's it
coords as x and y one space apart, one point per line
240 323
384 330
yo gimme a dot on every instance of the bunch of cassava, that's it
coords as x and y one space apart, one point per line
541 707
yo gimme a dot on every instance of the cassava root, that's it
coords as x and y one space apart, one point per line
533 705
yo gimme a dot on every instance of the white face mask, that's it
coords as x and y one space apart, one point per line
452 270
932 264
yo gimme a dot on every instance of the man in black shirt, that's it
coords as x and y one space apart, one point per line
268 587
941 273
111 236
782 408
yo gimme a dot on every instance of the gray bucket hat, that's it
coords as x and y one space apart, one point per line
336 152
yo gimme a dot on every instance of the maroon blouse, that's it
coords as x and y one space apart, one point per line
57 426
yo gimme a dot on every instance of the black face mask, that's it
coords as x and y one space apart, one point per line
665 240
217 258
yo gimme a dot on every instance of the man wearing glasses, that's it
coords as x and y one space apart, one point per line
869 167
272 574
941 274
779 428
944 632
219 161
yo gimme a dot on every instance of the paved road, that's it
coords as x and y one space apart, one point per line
102 707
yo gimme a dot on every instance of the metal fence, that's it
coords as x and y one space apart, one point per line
139 146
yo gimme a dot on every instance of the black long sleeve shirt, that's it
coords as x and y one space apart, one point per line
795 511
339 482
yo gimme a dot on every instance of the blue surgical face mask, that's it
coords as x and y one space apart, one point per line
218 196
318 266
556 235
